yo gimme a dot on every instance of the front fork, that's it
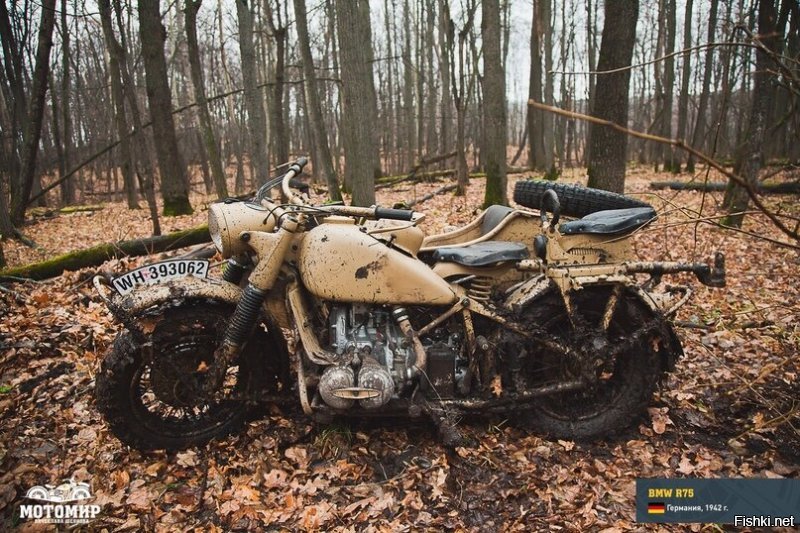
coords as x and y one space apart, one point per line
272 249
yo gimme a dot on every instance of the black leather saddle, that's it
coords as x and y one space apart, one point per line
482 253
611 222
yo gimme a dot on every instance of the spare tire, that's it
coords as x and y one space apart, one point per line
576 201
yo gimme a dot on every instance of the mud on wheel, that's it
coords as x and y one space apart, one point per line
613 342
151 394
576 201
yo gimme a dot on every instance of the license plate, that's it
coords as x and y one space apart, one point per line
159 273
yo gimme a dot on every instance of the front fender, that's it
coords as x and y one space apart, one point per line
188 288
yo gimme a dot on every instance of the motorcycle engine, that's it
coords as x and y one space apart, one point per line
367 331
371 337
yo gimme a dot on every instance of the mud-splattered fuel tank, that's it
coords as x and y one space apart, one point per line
339 261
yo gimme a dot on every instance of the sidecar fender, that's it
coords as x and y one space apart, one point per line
174 291
536 288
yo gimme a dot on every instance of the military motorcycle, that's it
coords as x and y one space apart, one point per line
352 311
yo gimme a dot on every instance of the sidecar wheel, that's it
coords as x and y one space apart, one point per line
625 359
576 201
151 395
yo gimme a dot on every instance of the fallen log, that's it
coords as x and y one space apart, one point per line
792 187
97 255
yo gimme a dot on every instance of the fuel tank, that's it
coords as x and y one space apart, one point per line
339 262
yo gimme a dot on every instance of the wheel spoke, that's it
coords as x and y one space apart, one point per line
611 306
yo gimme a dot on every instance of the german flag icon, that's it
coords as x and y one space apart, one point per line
656 508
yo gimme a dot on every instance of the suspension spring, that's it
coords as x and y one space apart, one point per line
245 315
233 272
480 288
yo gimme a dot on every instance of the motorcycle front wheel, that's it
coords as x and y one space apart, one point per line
151 393
608 338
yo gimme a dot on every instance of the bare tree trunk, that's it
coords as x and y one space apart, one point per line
118 99
749 160
686 71
209 140
254 102
494 105
607 148
547 118
536 157
33 124
702 106
277 123
432 139
322 158
359 101
409 76
591 47
174 184
446 110
68 186
146 165
670 162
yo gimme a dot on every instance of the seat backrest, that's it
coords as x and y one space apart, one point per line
493 216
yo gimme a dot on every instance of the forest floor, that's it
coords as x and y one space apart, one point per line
731 408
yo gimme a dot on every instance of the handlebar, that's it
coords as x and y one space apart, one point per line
394 214
374 213
294 169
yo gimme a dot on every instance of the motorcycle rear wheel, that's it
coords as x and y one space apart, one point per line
151 396
626 361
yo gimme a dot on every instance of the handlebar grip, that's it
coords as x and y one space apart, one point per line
394 214
298 165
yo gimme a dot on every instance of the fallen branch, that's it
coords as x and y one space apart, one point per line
97 255
764 188
683 146
388 181
428 196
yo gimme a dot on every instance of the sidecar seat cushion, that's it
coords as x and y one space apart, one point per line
611 222
493 216
483 253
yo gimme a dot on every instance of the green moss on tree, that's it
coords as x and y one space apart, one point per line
177 206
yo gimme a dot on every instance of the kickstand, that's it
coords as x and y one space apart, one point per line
446 425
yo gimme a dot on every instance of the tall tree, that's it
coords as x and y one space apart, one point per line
670 162
686 71
359 103
118 100
540 123
68 186
280 32
494 106
142 144
607 147
174 183
699 131
254 102
749 159
461 85
209 139
322 157
32 130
